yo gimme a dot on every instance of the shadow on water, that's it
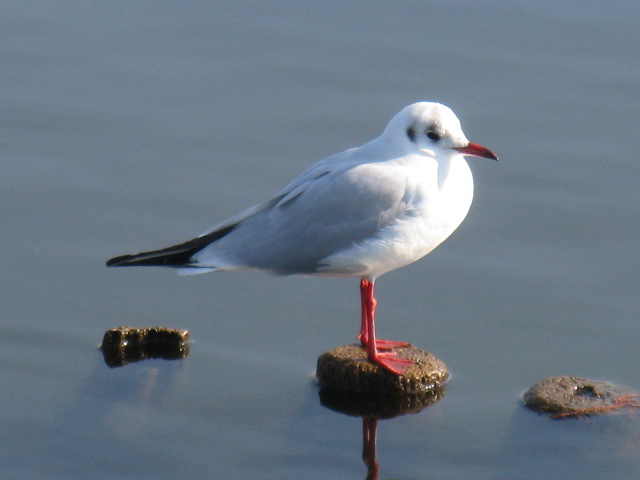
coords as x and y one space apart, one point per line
113 417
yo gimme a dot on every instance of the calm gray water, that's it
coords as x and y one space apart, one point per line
134 125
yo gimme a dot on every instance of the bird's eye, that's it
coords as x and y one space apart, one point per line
433 135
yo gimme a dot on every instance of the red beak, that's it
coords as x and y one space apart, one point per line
477 151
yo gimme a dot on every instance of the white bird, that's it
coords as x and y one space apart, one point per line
359 213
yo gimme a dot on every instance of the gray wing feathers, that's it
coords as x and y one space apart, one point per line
308 220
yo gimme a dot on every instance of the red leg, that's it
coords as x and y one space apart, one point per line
388 360
368 302
362 336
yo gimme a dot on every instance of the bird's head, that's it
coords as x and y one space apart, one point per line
433 130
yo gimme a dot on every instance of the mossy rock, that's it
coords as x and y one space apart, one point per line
124 345
572 395
346 368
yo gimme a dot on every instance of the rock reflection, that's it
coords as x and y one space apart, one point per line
373 407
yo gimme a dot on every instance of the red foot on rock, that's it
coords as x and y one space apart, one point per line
384 344
392 361
390 344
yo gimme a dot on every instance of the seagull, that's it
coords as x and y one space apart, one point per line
359 213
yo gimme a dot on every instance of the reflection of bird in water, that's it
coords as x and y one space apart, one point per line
359 213
369 447
372 406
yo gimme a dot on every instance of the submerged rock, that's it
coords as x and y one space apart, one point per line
346 368
124 345
573 396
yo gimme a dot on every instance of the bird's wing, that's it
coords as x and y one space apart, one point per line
337 203
180 255
329 208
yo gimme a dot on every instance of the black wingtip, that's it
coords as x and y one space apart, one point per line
121 261
175 256
178 256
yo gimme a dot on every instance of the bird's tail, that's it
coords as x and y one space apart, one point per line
176 256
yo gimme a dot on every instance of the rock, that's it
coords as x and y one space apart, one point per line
566 396
346 368
124 345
